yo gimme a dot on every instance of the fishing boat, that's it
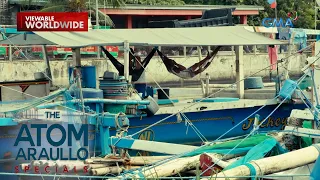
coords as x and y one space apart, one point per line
161 121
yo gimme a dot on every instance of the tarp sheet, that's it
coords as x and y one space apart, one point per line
28 39
259 151
315 174
227 147
202 36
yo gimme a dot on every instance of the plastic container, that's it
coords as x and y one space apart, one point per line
253 83
150 91
153 107
162 95
288 89
91 93
88 76
141 88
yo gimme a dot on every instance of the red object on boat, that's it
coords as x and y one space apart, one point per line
205 163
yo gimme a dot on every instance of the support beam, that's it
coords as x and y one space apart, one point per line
243 19
200 57
129 22
10 53
126 52
46 60
239 71
303 132
151 146
76 57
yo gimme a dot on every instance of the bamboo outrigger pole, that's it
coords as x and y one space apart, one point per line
273 164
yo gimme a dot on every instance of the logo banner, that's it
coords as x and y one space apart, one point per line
53 21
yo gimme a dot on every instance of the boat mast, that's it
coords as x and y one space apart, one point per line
126 60
316 7
97 24
77 65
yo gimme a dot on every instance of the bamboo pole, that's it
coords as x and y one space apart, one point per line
96 166
103 160
110 170
215 160
106 170
167 169
170 168
143 160
273 164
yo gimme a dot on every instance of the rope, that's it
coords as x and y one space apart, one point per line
26 56
212 93
196 130
253 171
299 81
41 98
112 177
177 156
37 68
315 109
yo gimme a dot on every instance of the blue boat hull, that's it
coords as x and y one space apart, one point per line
212 124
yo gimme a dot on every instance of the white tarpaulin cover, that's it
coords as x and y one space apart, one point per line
202 36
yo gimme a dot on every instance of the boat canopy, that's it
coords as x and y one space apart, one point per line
202 36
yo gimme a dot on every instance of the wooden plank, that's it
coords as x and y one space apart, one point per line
302 114
312 133
151 146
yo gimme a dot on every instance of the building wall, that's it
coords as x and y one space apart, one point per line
223 67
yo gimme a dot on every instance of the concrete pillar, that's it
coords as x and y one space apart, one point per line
129 22
243 19
239 71
76 57
10 53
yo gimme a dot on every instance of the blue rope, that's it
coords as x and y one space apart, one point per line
253 171
158 163
315 114
299 81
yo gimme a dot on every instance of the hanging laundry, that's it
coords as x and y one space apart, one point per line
284 34
273 55
300 37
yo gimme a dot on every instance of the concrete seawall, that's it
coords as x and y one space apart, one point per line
222 68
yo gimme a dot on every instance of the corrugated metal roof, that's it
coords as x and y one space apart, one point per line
203 36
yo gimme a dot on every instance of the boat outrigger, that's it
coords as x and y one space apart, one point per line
119 120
